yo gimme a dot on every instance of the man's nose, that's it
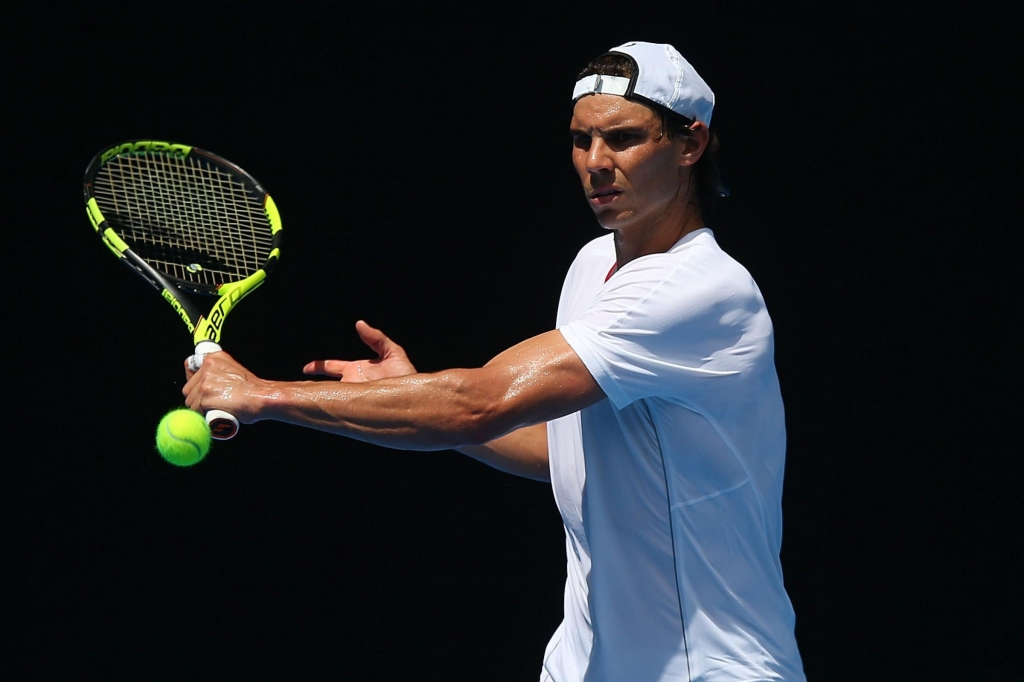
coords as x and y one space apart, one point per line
598 157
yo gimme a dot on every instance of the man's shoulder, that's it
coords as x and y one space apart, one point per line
695 270
715 265
695 255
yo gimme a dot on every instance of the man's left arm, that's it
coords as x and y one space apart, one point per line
535 381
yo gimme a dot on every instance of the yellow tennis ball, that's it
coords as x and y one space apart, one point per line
183 437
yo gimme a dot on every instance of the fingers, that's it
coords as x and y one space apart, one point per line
343 369
221 383
331 368
191 392
372 337
190 362
391 360
191 389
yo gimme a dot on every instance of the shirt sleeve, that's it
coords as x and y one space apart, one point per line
672 327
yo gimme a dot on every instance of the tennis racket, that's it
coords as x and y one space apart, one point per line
189 223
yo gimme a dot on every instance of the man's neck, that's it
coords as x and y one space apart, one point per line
642 240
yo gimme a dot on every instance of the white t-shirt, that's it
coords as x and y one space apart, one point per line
670 489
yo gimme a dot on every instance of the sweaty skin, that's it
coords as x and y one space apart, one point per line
637 181
537 380
636 178
523 452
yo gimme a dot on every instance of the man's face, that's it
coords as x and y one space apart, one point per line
631 171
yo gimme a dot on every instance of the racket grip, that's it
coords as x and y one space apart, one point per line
223 425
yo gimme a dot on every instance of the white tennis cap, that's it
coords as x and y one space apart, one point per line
661 75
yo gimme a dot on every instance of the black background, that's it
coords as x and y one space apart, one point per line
419 156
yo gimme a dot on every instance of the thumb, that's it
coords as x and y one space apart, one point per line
376 339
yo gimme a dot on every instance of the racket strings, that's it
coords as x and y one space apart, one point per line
186 217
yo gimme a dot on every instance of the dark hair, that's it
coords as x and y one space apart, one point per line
710 187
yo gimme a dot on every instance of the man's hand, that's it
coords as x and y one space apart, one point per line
223 384
391 360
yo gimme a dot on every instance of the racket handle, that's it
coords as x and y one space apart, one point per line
223 425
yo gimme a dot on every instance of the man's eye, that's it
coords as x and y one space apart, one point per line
581 141
623 138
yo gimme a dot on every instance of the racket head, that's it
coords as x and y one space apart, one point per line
187 220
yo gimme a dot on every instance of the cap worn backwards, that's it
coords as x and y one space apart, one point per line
661 75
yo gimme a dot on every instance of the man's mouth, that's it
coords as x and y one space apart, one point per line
603 196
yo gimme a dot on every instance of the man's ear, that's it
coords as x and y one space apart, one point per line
694 144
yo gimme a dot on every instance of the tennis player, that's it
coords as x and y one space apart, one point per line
653 407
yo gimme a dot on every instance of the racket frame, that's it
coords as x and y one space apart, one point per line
205 328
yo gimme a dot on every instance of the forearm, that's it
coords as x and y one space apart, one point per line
523 452
416 412
531 383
